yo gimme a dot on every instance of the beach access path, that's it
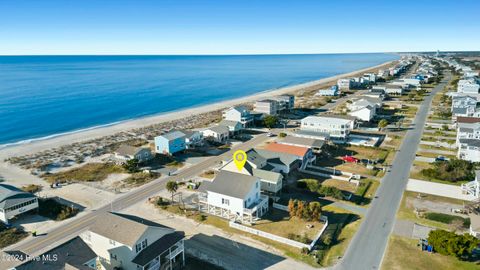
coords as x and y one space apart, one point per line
368 245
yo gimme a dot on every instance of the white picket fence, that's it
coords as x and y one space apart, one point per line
280 239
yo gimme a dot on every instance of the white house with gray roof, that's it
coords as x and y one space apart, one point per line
233 196
14 202
338 127
128 242
314 144
233 126
465 106
218 133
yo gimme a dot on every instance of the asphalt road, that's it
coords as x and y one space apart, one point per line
34 246
367 248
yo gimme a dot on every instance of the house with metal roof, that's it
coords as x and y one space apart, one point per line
170 143
233 196
14 202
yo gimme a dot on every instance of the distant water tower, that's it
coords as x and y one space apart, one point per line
438 53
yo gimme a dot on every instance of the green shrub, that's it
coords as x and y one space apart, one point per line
331 192
282 134
52 209
453 170
452 244
447 219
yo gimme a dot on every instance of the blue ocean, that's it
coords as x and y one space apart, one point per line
46 95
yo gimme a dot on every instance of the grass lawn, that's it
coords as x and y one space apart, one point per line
433 155
222 224
342 227
90 172
10 236
403 253
418 166
278 222
342 185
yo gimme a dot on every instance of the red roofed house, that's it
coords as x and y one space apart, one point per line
304 154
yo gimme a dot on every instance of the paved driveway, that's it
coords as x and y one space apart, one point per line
444 190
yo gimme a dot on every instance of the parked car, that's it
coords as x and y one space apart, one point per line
270 134
441 158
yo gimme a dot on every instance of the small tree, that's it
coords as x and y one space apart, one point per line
172 187
382 124
292 207
131 165
299 212
282 134
270 121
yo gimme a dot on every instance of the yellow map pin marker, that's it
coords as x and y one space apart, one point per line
240 158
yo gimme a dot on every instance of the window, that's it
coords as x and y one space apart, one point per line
112 242
141 245
225 201
113 256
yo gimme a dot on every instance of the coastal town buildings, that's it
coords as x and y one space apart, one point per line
345 84
14 202
465 106
469 149
193 138
266 106
170 143
314 144
468 86
127 152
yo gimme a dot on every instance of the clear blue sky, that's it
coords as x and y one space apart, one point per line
236 27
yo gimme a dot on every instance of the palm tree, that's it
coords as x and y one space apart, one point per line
172 187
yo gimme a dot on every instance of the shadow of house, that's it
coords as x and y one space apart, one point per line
229 254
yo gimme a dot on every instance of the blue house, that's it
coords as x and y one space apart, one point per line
170 143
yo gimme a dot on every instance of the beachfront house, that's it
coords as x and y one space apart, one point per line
233 196
344 84
219 134
14 202
127 152
170 143
284 152
266 106
285 102
337 127
193 138
240 114
233 126
332 91
468 131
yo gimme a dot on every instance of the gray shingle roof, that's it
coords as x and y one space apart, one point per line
269 176
127 150
70 255
307 142
123 228
173 135
158 247
277 157
232 184
470 142
10 196
457 110
219 129
229 123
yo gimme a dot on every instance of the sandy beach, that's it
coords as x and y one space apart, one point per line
41 145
